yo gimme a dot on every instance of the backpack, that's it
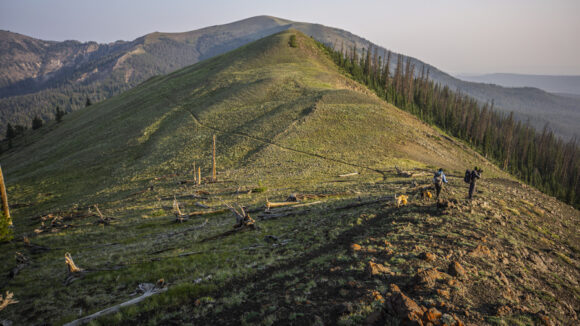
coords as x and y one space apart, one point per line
437 179
467 177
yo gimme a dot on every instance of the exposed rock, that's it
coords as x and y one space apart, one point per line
398 304
545 320
539 263
480 251
377 269
343 308
427 277
377 296
503 311
428 256
447 319
372 319
444 293
502 278
432 316
455 269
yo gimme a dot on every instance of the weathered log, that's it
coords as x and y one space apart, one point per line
198 204
410 174
102 219
21 262
166 176
403 173
217 211
148 290
150 188
348 175
278 204
265 216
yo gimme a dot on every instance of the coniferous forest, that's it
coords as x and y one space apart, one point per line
539 158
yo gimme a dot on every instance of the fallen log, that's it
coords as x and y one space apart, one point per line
165 176
229 232
408 174
192 196
141 191
148 290
21 262
265 216
278 204
102 219
198 204
33 247
348 175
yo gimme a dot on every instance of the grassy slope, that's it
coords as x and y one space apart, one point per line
285 119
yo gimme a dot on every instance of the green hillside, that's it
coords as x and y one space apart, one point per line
287 121
36 75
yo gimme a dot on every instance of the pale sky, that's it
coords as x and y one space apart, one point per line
457 36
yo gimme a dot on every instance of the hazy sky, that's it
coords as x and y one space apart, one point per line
457 36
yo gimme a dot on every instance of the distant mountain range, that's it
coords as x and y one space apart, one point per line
36 75
553 84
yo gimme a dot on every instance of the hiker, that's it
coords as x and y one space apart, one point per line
475 174
438 180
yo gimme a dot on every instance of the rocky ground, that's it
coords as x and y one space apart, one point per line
509 256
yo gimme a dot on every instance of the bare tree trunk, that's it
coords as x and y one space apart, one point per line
214 174
4 198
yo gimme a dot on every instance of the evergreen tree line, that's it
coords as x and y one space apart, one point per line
17 130
539 158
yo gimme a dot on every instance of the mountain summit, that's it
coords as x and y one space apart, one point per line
36 76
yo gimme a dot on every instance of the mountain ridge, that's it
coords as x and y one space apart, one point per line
115 70
287 123
567 84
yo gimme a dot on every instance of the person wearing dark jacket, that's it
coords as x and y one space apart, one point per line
438 180
475 174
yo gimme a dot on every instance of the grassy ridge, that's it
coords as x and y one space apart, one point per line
286 121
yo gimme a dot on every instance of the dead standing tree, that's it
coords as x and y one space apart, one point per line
214 177
4 198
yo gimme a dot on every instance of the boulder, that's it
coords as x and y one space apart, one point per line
455 269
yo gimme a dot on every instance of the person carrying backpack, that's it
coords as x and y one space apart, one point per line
438 180
475 174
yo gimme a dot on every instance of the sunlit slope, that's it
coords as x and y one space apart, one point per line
278 111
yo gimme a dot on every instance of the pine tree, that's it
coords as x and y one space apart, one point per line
10 132
36 123
58 114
